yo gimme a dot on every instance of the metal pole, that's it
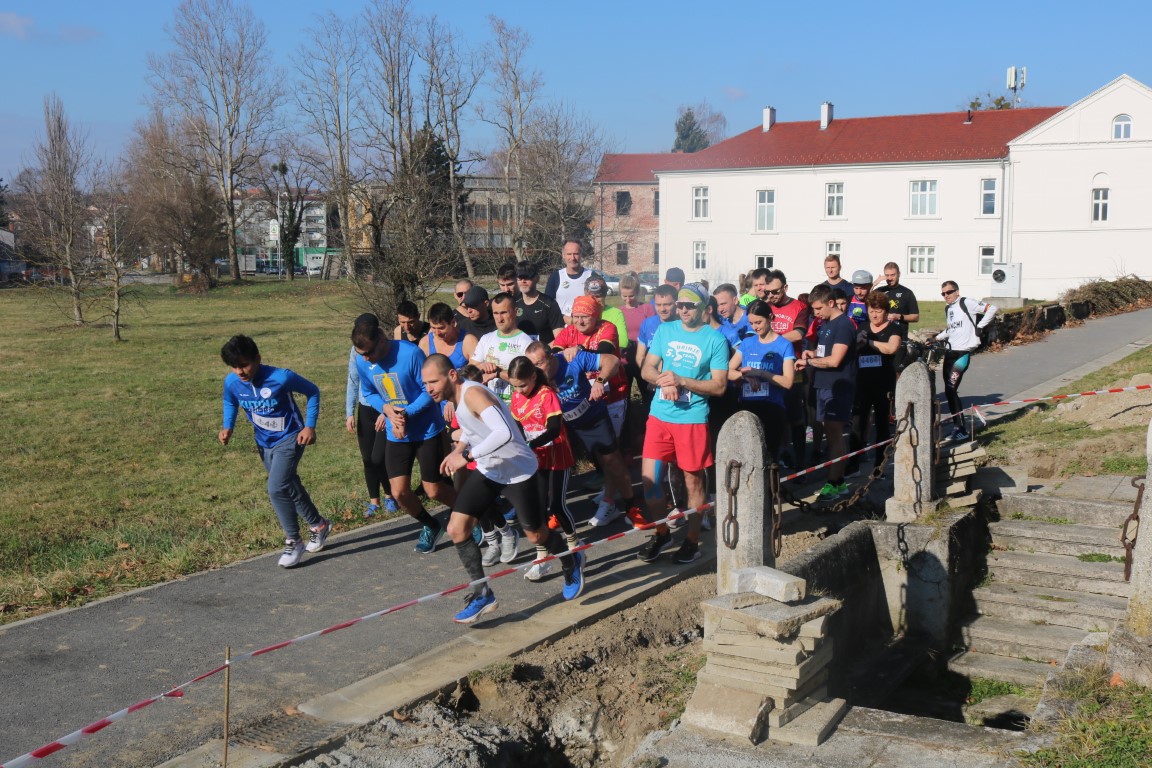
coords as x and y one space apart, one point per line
227 697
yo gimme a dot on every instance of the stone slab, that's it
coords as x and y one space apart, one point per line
781 716
781 695
818 627
787 657
724 710
1003 668
799 673
774 620
769 582
1083 511
813 727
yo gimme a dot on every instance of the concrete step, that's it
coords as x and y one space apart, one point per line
1059 572
973 664
1020 639
1082 511
1060 607
1036 536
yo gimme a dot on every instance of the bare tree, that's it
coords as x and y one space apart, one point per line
217 79
119 237
331 68
54 213
515 89
287 186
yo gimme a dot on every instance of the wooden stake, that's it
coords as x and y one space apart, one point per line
227 692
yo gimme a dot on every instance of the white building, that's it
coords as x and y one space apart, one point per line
1053 192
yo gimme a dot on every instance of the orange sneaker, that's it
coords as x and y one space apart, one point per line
636 516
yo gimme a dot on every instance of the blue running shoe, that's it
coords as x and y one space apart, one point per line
574 579
371 510
390 505
477 535
476 605
510 515
428 539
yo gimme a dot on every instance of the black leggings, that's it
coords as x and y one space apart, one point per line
375 475
954 366
555 487
872 403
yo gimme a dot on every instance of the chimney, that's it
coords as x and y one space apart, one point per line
825 115
769 118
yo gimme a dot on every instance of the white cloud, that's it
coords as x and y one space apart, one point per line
733 93
14 25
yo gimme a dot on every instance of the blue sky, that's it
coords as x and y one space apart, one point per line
627 66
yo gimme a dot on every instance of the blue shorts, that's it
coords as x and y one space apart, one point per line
834 404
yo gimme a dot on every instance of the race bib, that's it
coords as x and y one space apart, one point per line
869 361
531 434
754 394
819 350
269 423
682 395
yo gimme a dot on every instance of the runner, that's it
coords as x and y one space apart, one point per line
790 320
265 394
764 366
409 325
963 335
876 382
495 350
390 382
590 332
536 314
446 337
504 465
687 363
360 419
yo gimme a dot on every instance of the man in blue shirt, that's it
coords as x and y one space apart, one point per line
265 394
686 364
392 383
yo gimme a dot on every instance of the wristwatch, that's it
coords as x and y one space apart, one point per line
601 380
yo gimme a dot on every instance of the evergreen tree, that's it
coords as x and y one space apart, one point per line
3 204
690 135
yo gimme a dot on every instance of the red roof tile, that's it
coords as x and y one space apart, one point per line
938 137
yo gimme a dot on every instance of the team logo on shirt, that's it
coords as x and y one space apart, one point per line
684 354
388 384
265 392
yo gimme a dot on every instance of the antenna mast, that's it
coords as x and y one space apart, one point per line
1016 83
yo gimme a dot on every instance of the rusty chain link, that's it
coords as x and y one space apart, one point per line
877 472
777 503
1130 544
731 525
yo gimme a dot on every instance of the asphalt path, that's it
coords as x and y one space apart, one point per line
63 670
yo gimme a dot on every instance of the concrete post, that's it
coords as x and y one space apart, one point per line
1130 645
742 439
913 473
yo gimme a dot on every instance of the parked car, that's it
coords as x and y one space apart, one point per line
315 271
649 281
613 283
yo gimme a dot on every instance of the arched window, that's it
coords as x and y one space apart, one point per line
1122 127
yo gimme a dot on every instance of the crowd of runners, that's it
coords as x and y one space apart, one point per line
498 396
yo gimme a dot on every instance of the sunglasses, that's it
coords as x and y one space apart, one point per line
525 277
686 305
460 294
775 292
948 293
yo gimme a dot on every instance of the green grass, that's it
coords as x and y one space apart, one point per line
1098 557
671 680
1111 726
113 478
984 688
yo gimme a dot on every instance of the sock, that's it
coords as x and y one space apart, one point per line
423 517
492 538
506 531
572 541
556 545
541 551
469 552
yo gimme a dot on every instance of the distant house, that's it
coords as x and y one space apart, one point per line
1041 198
11 268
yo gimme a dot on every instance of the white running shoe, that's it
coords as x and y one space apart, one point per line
606 512
540 570
491 554
293 551
509 543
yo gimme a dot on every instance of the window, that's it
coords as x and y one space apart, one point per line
987 197
834 199
621 253
987 259
699 202
765 210
656 253
832 248
922 260
1100 204
764 262
923 198
700 255
656 203
1122 127
623 203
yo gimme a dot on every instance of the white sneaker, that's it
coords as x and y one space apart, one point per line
319 535
606 512
491 554
540 570
509 543
293 551
679 519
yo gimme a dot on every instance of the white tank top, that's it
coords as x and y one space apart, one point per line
512 462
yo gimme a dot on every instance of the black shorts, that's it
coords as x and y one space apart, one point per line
529 497
597 435
400 457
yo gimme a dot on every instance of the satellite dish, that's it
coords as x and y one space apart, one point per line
999 276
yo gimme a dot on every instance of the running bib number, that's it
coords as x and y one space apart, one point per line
269 423
869 361
682 395
819 350
755 394
531 434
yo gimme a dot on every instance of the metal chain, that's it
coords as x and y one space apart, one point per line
877 472
731 526
1130 543
777 502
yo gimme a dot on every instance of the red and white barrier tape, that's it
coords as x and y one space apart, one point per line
77 736
1029 400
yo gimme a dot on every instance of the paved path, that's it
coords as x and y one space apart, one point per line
61 671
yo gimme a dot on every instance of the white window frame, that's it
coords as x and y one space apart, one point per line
987 257
922 199
921 260
765 210
989 192
834 200
699 255
700 203
832 248
764 261
1122 128
1100 204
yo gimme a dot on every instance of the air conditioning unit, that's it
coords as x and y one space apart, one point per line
1006 280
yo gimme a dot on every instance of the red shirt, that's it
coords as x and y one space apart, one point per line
792 315
634 316
603 332
533 414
